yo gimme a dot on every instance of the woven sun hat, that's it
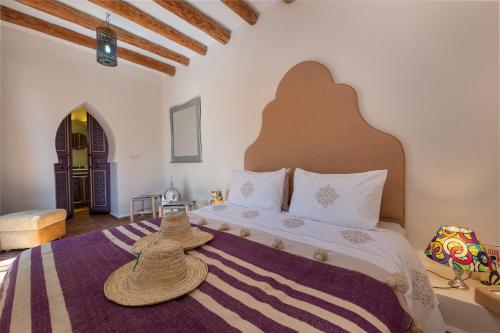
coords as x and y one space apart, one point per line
160 273
175 225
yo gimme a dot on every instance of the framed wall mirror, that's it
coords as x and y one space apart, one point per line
185 130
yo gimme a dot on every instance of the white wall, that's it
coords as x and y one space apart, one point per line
426 72
42 81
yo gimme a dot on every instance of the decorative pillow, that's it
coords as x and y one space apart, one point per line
351 200
257 189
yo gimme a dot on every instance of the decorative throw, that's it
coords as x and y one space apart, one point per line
250 287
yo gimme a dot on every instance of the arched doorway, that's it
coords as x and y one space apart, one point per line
82 172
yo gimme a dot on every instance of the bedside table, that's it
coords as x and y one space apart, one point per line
460 312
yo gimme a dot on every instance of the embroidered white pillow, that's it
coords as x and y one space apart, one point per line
257 189
351 200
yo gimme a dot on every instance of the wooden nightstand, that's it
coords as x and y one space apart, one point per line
460 311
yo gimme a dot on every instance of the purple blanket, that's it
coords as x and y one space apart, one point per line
250 287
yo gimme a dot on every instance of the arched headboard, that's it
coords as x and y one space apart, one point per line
315 124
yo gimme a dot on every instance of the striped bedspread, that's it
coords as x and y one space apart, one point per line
250 287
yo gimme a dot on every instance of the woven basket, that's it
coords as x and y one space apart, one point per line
487 297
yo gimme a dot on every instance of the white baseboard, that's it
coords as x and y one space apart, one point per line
119 216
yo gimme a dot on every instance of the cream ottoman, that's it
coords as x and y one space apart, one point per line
31 228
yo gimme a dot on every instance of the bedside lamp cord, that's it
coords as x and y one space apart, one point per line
442 277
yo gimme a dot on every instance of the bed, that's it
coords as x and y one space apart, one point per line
313 124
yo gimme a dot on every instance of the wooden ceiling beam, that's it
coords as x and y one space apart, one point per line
136 15
196 18
241 8
30 22
65 12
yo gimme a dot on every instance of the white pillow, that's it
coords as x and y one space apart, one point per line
257 189
351 200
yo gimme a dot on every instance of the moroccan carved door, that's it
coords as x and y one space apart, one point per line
63 169
99 201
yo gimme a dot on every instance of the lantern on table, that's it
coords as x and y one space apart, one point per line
171 194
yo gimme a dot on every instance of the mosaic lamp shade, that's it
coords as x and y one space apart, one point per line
460 249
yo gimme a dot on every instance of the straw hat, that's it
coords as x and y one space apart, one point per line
160 273
175 225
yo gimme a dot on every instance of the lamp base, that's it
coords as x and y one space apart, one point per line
457 281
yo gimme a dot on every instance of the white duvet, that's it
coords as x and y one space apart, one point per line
385 248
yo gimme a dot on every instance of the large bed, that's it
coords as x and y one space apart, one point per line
357 286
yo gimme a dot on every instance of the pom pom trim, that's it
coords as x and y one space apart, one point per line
320 255
278 244
244 232
224 226
398 283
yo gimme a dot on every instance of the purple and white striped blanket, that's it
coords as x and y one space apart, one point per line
250 287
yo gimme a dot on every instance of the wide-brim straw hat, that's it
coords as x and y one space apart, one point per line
161 272
175 225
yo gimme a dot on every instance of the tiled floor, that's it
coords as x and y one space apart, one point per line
81 223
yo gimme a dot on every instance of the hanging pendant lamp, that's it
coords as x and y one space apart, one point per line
106 45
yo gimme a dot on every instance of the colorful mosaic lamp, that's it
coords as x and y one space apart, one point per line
459 248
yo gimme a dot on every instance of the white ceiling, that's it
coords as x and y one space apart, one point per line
213 8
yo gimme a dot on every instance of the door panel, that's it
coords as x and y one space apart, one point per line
99 170
63 168
100 188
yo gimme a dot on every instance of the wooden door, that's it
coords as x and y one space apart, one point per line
99 173
63 169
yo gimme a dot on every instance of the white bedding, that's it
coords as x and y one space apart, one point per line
393 227
385 247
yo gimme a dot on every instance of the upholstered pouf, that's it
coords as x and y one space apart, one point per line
31 228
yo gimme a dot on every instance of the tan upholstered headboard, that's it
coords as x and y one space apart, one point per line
315 124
